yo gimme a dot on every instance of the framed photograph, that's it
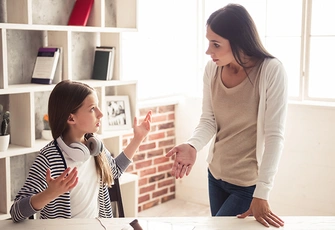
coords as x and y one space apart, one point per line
117 116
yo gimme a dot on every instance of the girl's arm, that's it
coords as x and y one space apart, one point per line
40 188
34 184
56 187
140 132
120 163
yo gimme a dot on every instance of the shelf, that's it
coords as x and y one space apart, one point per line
99 83
129 187
16 150
4 216
128 178
28 88
34 24
93 29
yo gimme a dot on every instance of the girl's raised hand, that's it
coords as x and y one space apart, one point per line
142 130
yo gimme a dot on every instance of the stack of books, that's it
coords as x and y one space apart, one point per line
47 65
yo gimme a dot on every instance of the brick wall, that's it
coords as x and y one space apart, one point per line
156 184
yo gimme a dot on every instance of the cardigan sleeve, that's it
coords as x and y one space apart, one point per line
206 127
271 124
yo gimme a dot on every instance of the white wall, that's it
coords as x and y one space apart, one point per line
305 182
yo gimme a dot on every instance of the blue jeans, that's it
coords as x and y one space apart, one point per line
227 199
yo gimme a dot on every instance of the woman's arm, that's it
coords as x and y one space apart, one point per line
206 127
274 125
186 153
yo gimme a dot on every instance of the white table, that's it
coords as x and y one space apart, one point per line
172 223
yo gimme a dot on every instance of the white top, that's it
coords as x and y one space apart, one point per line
271 118
235 147
84 196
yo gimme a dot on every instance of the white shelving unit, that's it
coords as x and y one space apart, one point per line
29 27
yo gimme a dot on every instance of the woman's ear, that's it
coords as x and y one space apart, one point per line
70 120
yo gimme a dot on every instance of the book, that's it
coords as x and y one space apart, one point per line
45 65
80 12
59 69
103 66
111 50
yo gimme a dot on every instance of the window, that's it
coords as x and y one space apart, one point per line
321 37
279 27
298 33
167 55
162 55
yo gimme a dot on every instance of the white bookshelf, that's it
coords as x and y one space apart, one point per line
21 36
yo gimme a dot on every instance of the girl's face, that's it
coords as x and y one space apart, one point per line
87 119
219 49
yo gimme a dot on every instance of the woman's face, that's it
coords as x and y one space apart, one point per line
219 49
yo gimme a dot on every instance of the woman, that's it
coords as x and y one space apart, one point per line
244 107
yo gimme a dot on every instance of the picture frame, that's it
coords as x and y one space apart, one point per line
117 114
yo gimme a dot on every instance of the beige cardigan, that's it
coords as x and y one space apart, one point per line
270 122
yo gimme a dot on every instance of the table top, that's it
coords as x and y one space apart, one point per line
171 223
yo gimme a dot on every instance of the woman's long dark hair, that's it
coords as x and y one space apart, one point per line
234 23
66 98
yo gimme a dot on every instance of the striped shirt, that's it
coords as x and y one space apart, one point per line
51 157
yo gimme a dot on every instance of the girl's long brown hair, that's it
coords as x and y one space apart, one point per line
66 98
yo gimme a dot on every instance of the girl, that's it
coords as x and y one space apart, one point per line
70 176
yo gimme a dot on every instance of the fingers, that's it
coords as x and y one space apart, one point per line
135 122
145 123
48 175
174 168
244 215
263 221
71 178
183 170
188 170
63 175
278 220
148 116
273 220
147 120
68 179
179 170
73 184
270 219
